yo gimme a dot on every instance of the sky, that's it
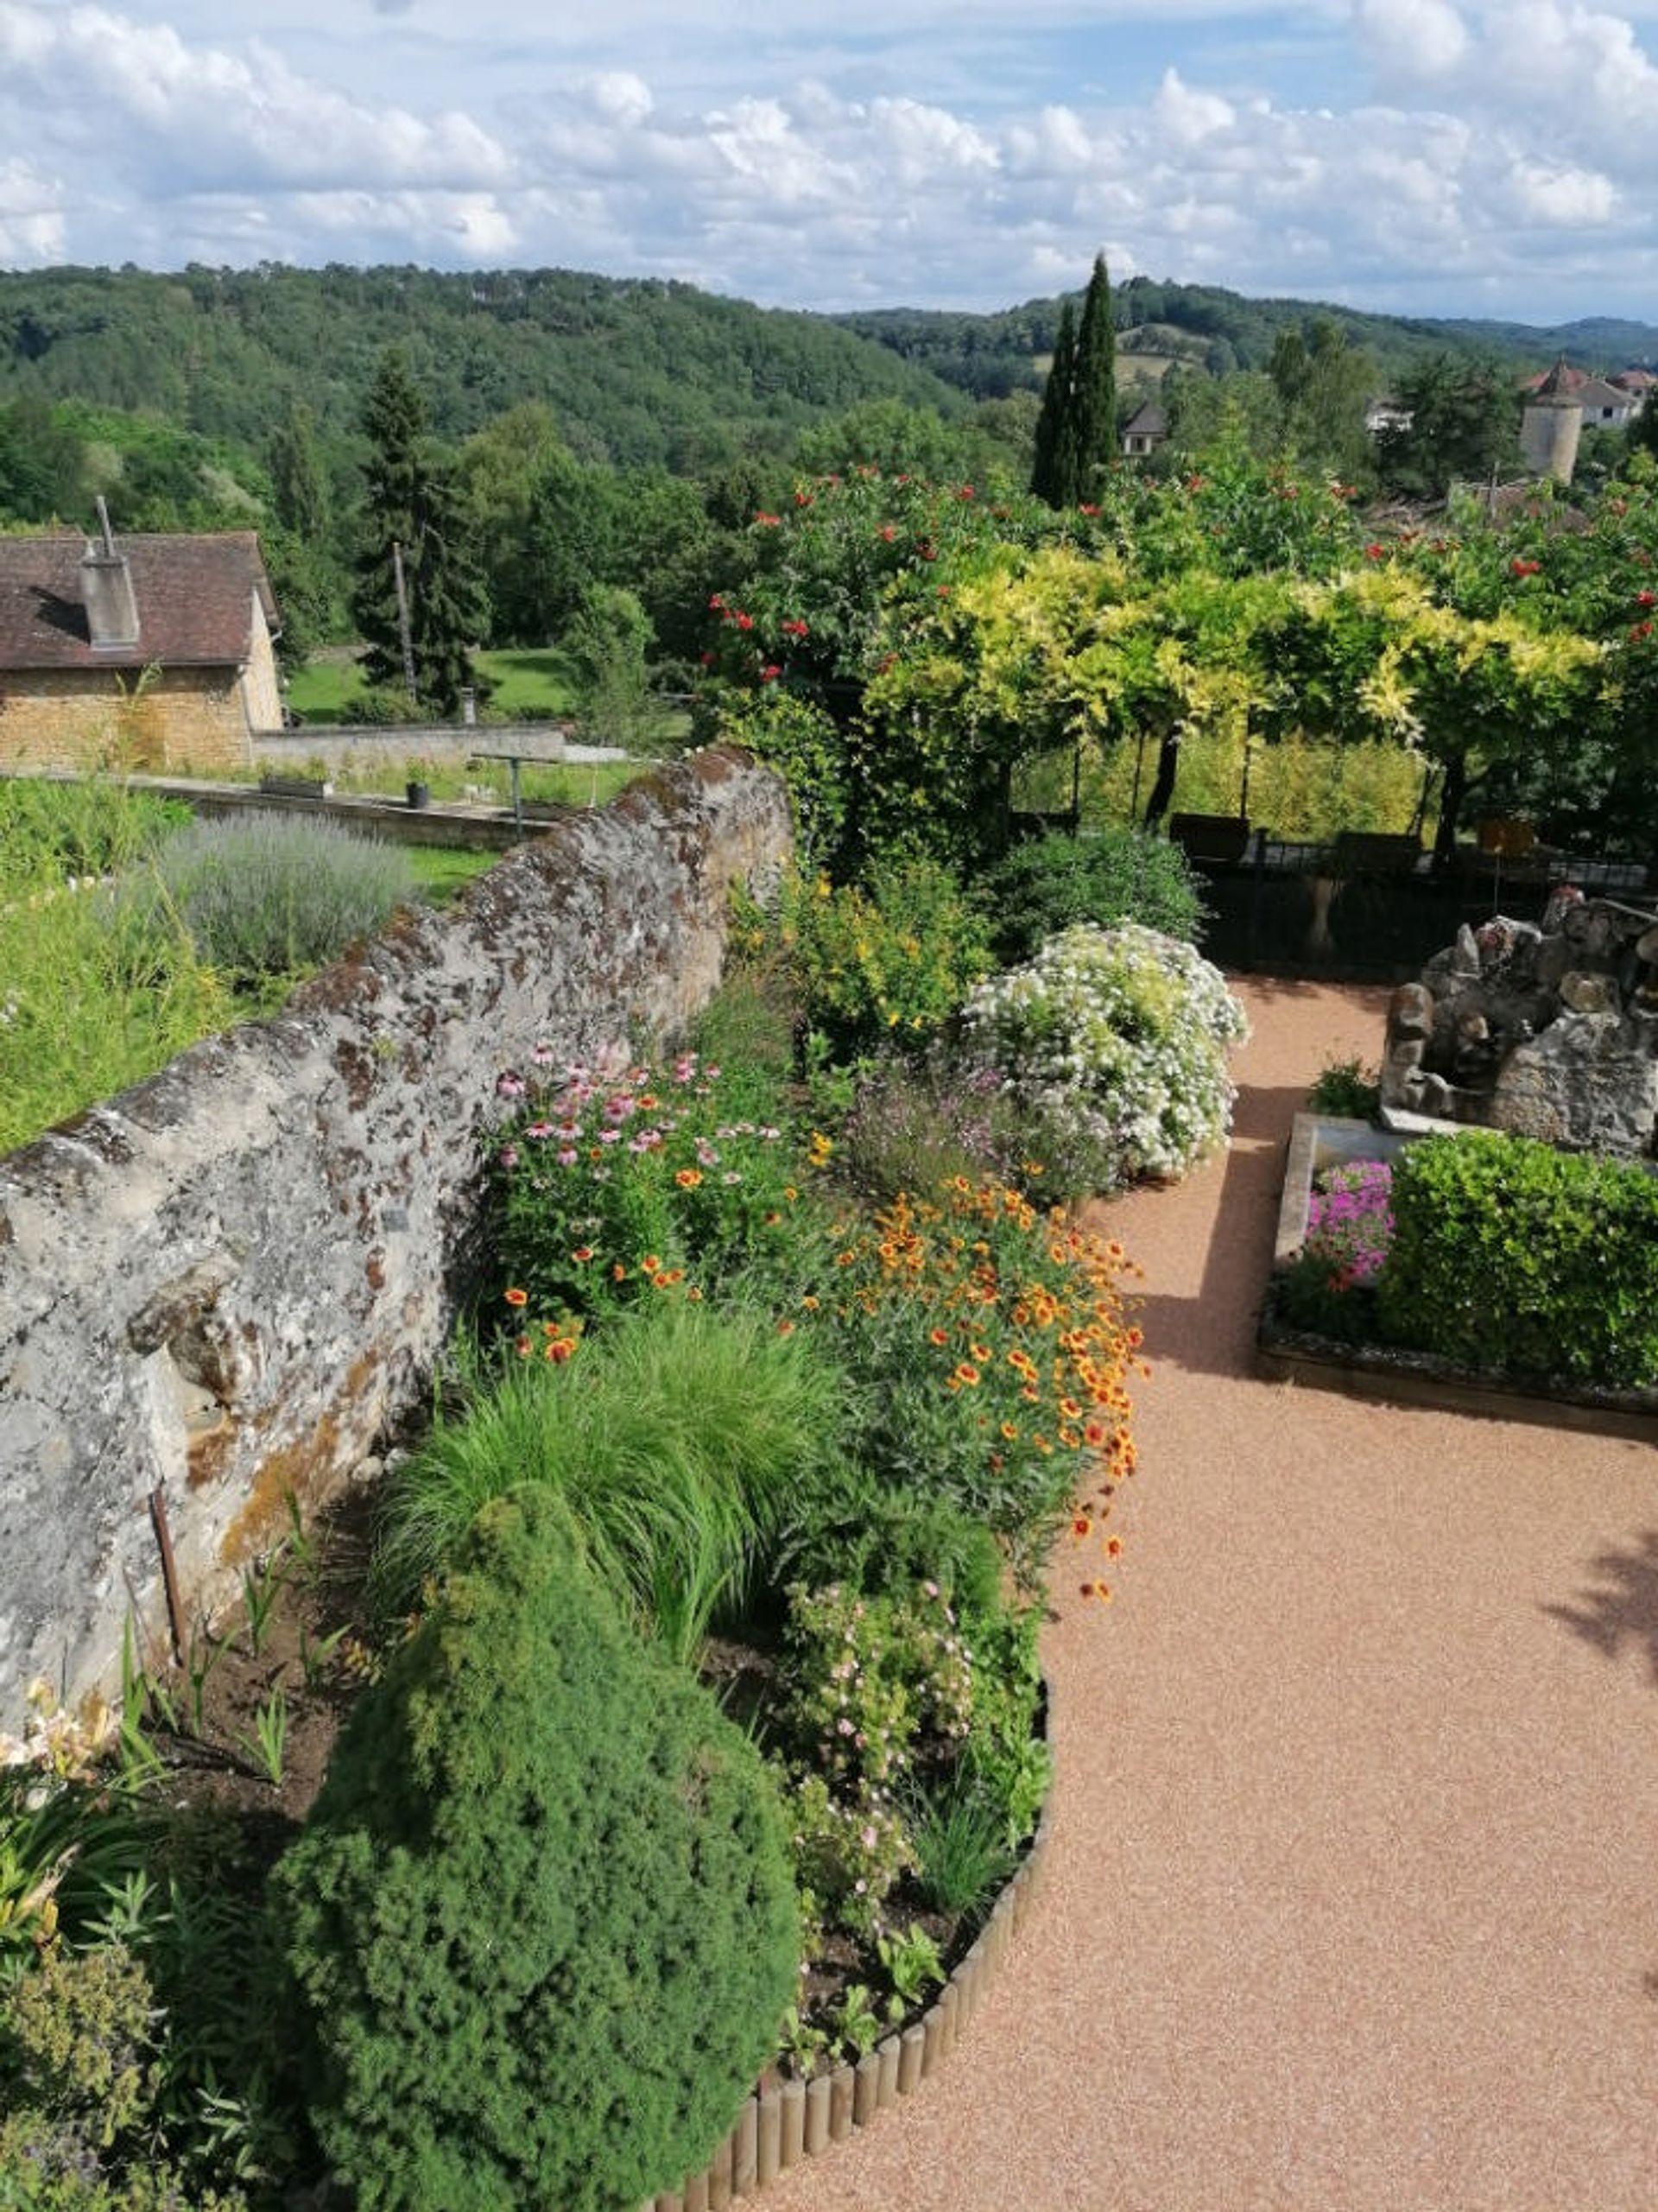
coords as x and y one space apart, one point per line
1438 157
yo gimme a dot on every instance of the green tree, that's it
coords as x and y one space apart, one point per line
415 519
1076 431
1463 420
1094 395
1053 472
298 488
1323 383
42 464
606 648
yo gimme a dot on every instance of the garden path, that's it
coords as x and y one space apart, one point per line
1352 1904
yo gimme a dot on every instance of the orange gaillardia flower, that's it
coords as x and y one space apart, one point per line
517 1298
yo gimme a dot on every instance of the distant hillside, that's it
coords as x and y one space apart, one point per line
987 355
636 372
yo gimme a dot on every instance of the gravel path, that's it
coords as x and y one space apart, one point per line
1353 1902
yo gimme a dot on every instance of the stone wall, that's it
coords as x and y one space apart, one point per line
71 718
336 746
222 1285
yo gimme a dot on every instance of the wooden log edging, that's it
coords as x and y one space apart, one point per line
779 2127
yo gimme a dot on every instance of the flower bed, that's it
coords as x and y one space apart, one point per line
1339 1339
807 1453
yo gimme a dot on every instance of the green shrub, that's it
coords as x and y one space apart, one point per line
1346 1088
52 832
886 1538
87 1007
80 2077
675 1441
887 960
1509 1256
1120 1034
913 1127
269 897
1118 875
542 1915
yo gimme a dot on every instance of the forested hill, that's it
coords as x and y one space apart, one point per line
635 372
989 355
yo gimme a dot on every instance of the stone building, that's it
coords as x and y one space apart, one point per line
155 649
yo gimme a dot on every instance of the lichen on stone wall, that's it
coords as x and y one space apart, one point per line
228 1280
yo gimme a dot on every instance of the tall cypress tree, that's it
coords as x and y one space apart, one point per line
1094 385
1076 431
1054 475
412 503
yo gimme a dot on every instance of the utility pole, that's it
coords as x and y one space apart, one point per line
403 623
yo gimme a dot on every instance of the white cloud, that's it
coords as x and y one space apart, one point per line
1188 116
620 97
1412 42
1511 147
1563 198
33 224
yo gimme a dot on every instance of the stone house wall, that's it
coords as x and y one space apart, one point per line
65 717
222 1285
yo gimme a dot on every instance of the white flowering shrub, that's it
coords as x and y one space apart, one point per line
1120 1034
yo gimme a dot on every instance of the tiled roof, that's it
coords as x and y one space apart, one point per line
1593 392
194 595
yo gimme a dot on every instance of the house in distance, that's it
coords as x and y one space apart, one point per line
155 649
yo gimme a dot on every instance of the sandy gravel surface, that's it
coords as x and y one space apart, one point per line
1353 1906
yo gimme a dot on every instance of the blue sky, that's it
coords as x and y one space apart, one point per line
1434 157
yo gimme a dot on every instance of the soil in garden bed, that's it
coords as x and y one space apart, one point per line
306 1640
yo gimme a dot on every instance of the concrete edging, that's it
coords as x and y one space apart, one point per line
1285 1356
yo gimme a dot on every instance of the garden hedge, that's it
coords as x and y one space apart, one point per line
1509 1256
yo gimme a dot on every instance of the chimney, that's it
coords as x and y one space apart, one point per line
106 590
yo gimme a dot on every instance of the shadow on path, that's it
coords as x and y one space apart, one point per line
1212 1330
1625 1609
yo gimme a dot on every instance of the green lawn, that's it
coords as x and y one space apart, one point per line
524 680
441 871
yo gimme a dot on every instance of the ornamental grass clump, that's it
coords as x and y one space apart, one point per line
541 1918
1121 1034
677 1443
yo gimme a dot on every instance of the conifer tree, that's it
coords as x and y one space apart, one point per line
414 512
1093 402
1076 431
1053 476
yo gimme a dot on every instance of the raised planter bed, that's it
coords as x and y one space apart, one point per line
1411 1378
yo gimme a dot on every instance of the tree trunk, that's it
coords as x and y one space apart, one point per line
1453 792
1162 789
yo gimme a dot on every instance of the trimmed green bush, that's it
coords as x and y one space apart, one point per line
1511 1256
1118 875
267 898
541 1917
